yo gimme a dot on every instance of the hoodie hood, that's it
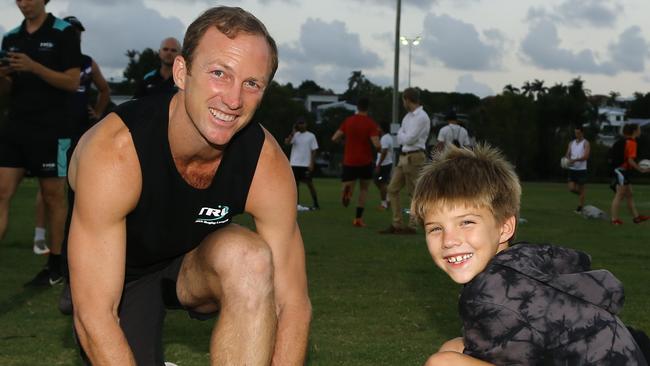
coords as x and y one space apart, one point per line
565 270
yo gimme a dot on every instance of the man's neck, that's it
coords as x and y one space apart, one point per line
33 24
362 113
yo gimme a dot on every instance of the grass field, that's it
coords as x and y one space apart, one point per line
377 300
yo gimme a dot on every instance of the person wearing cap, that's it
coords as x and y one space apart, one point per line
303 152
160 81
453 133
412 135
42 72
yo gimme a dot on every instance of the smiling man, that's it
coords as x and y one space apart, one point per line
157 184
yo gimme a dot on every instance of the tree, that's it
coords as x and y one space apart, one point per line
510 89
140 63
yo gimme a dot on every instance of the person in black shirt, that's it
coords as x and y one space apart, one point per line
160 81
42 73
156 186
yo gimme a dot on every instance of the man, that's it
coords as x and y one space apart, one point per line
384 164
453 133
361 134
623 168
412 135
578 153
303 152
160 81
151 227
41 75
82 115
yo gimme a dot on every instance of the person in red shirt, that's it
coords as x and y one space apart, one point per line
361 134
622 176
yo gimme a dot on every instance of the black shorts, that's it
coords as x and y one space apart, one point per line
351 173
578 176
384 174
301 173
41 156
621 177
142 312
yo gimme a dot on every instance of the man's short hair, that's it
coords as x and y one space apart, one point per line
480 177
412 95
579 128
630 128
47 1
363 104
230 21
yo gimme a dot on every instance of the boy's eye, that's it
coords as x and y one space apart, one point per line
466 222
435 229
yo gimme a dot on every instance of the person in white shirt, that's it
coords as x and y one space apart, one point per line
303 152
384 164
452 133
412 135
578 152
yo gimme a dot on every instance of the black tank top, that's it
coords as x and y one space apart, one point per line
172 217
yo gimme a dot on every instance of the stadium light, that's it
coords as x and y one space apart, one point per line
410 42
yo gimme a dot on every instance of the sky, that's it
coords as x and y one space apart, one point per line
469 46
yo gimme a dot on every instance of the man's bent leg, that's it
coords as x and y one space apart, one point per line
9 179
56 207
232 270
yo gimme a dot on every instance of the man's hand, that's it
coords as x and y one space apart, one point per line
21 62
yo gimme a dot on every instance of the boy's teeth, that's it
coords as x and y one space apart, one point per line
459 258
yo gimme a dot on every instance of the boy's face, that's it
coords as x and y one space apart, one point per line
462 239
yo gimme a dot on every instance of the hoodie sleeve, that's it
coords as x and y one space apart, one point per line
498 335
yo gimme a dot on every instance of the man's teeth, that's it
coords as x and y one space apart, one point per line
459 258
222 116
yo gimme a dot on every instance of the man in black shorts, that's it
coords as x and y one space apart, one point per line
303 153
157 184
361 135
40 71
160 80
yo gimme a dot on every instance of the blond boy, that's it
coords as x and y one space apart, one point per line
521 304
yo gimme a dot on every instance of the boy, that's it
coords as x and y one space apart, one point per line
622 176
578 152
525 304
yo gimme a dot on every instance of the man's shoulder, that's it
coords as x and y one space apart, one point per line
12 34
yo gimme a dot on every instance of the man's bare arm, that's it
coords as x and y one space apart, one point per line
272 202
103 91
105 176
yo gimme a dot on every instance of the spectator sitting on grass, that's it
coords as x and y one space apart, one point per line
523 304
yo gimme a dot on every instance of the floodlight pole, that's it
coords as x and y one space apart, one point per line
396 70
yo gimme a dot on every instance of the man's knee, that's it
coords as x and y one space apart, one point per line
244 266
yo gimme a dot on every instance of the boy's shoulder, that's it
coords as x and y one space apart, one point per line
530 271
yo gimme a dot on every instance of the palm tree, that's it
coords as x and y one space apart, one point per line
612 98
510 89
527 89
538 88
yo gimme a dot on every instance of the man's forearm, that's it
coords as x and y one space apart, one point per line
60 80
103 341
291 338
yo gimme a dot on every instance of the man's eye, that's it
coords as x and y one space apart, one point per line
217 73
252 84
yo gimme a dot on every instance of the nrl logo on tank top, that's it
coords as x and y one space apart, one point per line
213 216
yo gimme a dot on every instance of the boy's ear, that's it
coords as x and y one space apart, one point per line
508 229
179 72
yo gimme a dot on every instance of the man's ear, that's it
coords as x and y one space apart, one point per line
508 229
179 72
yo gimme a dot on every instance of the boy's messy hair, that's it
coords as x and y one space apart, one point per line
480 177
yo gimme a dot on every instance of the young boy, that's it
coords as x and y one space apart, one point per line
523 304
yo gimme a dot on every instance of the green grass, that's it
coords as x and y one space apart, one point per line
378 300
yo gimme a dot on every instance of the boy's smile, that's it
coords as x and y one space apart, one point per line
462 240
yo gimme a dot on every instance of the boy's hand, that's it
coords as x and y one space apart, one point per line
20 62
